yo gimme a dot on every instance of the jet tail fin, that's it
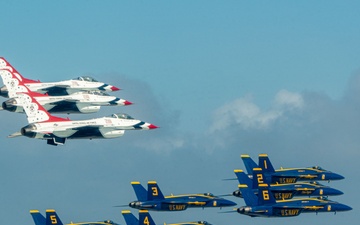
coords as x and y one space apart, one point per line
265 164
265 196
52 218
145 218
243 178
154 191
38 218
248 194
130 219
5 65
249 163
36 112
140 191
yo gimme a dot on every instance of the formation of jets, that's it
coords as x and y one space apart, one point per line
276 193
82 95
286 192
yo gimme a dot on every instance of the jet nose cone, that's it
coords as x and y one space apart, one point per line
340 207
126 102
113 88
333 191
335 176
152 126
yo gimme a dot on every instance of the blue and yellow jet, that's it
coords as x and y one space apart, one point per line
288 175
153 199
284 191
146 219
265 205
53 219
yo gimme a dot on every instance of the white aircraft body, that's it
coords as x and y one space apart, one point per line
83 83
42 125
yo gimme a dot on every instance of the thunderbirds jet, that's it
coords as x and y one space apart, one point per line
284 191
43 125
78 102
153 199
146 219
265 205
288 175
83 83
53 219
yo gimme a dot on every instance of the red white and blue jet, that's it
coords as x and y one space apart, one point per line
83 83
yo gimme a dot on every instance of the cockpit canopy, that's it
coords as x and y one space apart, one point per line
323 198
209 194
314 183
86 78
100 93
109 222
318 168
122 116
203 222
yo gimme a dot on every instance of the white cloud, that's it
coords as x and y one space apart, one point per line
244 113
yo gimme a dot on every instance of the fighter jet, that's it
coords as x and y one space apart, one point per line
43 125
83 83
146 219
153 199
284 191
265 205
53 219
288 175
78 102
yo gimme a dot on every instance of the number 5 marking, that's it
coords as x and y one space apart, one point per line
53 219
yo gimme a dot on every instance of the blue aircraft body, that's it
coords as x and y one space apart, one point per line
284 191
288 175
53 219
153 199
146 219
265 205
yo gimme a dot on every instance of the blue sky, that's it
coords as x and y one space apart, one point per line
220 79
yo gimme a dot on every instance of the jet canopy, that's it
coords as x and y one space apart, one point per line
109 222
86 78
209 194
100 93
203 222
318 168
122 116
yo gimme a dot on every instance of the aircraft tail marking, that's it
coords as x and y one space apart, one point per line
265 196
154 191
265 164
248 194
5 65
52 218
145 218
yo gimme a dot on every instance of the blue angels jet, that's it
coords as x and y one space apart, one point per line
265 205
153 199
146 219
53 219
284 191
288 175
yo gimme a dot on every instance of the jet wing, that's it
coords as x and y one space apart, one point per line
57 90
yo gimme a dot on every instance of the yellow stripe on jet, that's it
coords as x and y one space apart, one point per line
152 182
125 211
244 156
238 171
50 210
143 211
135 182
34 211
